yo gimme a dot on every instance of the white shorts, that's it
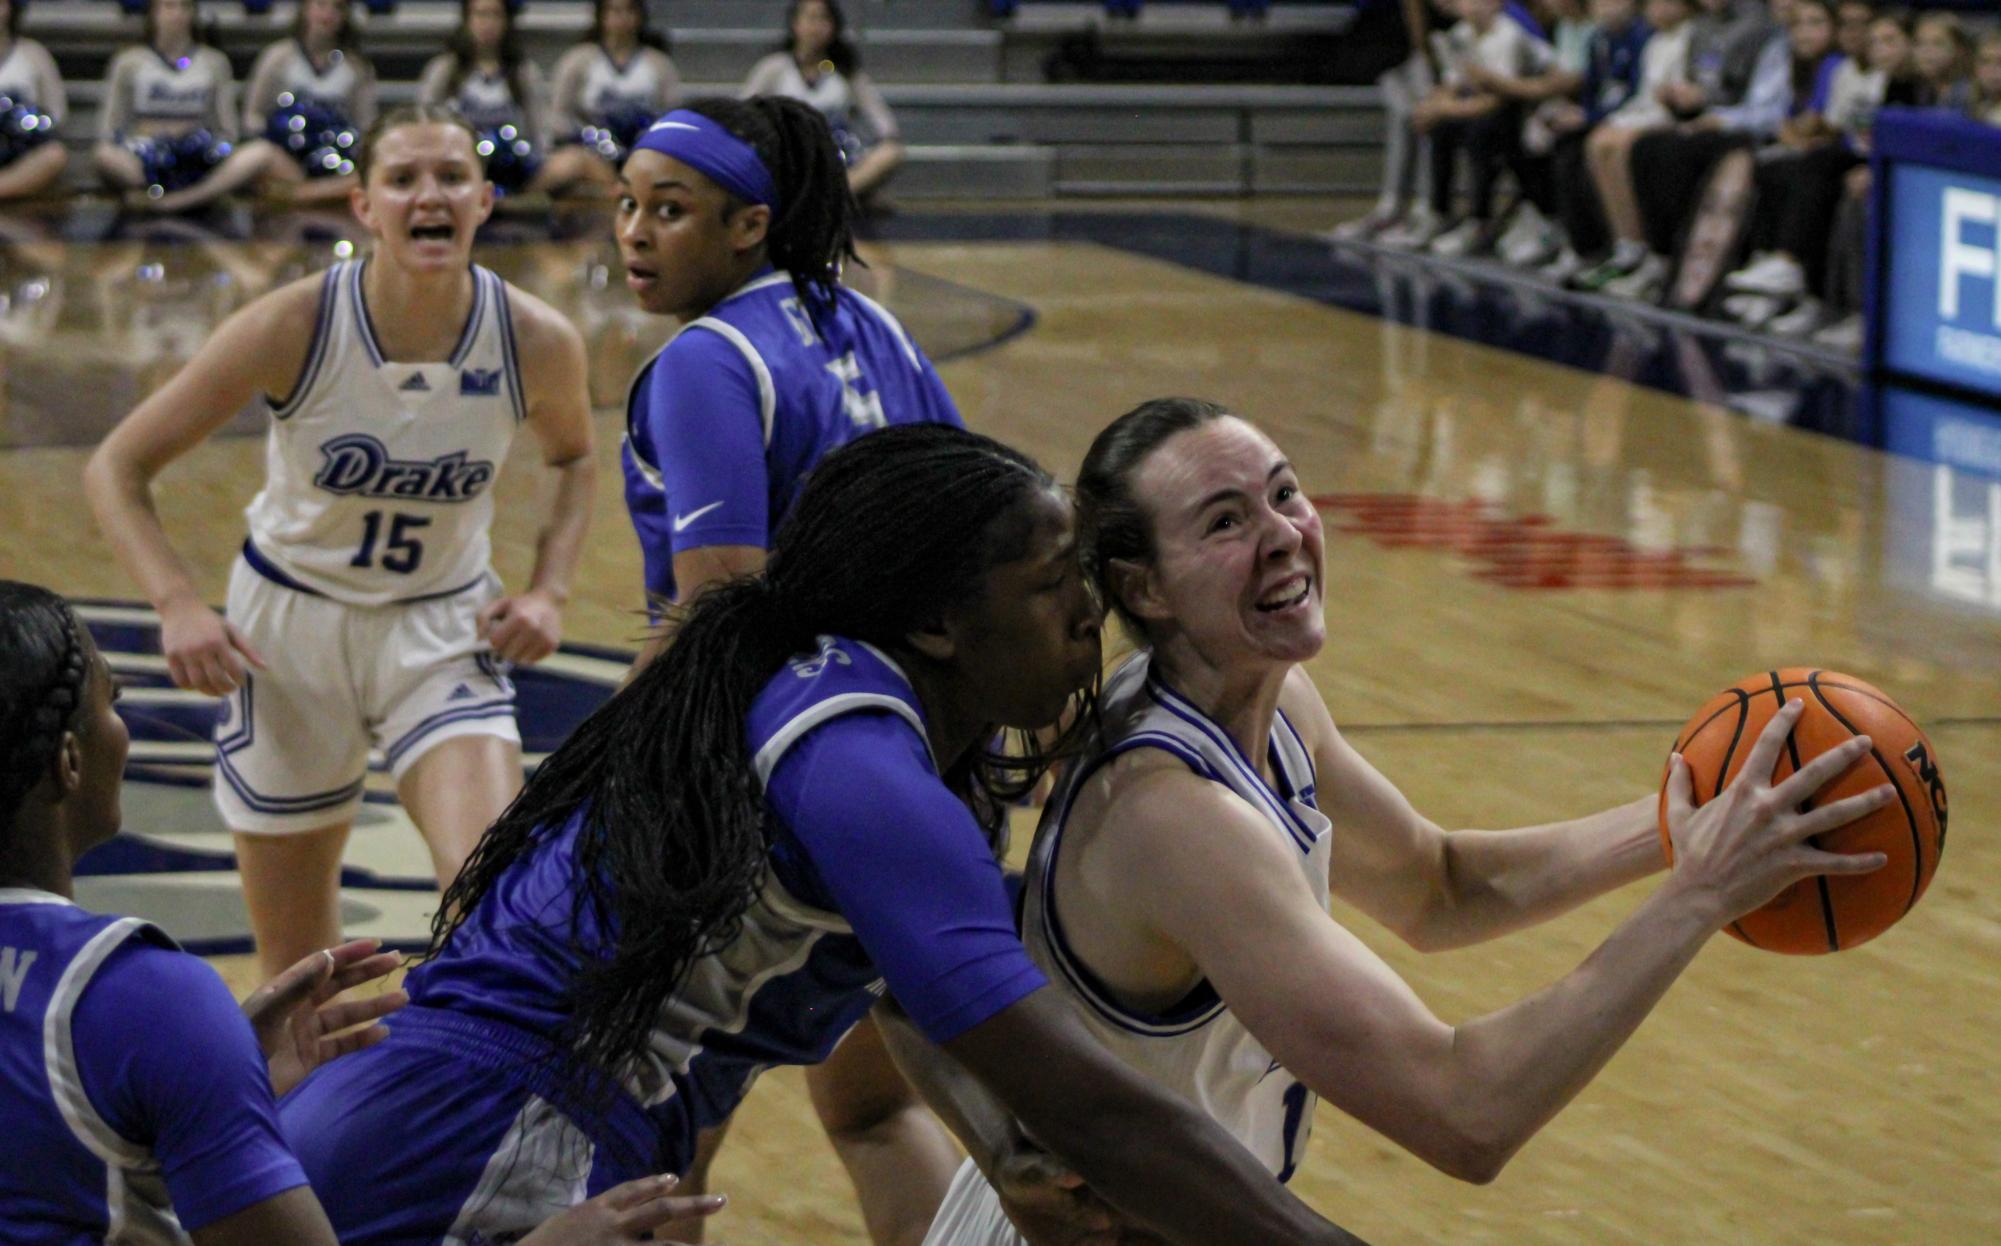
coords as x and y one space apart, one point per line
292 744
971 1214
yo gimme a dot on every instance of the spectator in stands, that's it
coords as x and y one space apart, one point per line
1532 236
611 86
818 65
168 124
484 74
1567 221
32 104
1944 56
1987 79
1801 184
1402 30
1800 177
313 94
1461 115
1608 149
1740 89
1851 29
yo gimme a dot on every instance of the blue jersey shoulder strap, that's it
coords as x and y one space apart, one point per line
841 677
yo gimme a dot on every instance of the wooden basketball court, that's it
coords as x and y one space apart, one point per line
1535 574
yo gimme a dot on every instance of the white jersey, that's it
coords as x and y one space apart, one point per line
379 474
1197 1047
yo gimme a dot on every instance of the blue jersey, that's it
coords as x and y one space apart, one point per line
723 424
131 1087
880 878
1612 74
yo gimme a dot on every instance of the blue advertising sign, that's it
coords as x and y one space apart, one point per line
1941 309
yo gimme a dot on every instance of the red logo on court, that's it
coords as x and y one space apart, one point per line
1518 551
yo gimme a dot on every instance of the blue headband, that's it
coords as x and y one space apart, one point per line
708 148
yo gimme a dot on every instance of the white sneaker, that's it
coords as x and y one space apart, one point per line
1567 264
1802 321
1541 247
1413 233
1363 228
1776 275
1643 284
1844 334
1524 227
1753 311
1466 238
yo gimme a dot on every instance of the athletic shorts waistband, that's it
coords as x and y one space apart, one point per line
613 1119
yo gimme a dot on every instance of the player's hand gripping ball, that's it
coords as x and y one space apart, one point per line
1826 913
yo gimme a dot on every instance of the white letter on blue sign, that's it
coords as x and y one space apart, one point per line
1957 258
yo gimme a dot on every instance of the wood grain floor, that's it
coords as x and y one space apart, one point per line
1839 1101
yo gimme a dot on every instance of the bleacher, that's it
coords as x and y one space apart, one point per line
989 109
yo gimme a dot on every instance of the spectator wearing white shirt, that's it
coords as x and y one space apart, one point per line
1483 123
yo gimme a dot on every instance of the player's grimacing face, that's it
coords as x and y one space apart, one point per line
1032 639
683 249
426 195
1238 562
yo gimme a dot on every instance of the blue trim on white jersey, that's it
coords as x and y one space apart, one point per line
1178 705
243 737
316 350
256 561
471 332
1201 1004
510 355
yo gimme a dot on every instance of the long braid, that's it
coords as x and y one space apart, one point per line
674 833
44 674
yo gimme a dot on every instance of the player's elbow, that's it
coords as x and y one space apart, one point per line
1468 1151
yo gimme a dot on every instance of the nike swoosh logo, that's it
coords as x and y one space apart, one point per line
681 522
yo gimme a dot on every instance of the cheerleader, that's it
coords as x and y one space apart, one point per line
313 94
169 125
612 85
484 74
820 66
32 103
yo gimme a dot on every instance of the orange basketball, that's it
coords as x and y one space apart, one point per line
1823 913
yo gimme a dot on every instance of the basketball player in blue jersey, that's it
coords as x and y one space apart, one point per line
137 1096
787 819
735 219
364 612
1220 785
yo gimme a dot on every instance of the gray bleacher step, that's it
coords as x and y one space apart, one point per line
963 172
913 56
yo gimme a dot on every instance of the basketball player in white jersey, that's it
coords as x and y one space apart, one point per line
363 612
1177 889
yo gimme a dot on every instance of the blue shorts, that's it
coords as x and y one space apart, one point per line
450 1128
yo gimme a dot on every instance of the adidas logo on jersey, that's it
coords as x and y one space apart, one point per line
357 464
416 384
480 381
460 693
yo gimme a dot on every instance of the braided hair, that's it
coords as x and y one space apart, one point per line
811 234
44 675
673 832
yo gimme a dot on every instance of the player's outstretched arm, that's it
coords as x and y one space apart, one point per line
1146 1150
527 627
1464 1098
1442 889
259 350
